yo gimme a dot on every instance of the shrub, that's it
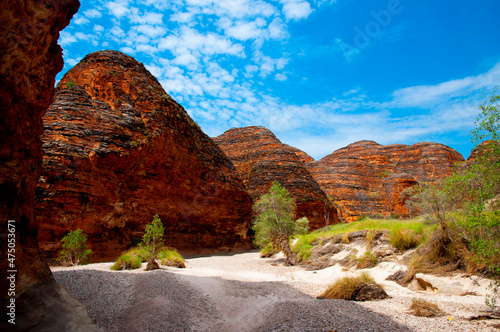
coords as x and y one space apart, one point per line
268 251
345 288
423 308
367 261
304 252
128 261
404 239
152 241
139 252
75 250
170 257
69 85
275 221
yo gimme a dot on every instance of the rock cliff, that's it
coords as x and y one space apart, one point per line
368 178
261 159
30 60
119 150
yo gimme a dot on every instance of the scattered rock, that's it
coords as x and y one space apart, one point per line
152 266
400 277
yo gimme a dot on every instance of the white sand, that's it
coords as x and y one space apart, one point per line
242 292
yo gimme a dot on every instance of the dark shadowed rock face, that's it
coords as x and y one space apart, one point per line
261 159
119 150
30 60
368 178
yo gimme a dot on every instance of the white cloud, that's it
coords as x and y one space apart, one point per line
67 38
150 31
92 13
118 8
244 30
80 20
280 77
277 29
425 95
98 28
296 9
150 18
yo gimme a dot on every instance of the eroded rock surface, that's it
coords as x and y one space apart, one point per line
368 178
30 60
119 150
261 159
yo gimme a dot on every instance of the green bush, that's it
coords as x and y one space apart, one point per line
128 261
274 223
268 251
152 242
170 257
75 250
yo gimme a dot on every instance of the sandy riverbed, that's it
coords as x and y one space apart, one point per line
241 292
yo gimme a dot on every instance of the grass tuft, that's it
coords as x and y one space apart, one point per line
170 257
415 226
127 262
368 260
423 308
405 239
345 288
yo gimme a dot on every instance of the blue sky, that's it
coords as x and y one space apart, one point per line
320 74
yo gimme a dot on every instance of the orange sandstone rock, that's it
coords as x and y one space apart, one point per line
261 159
119 150
368 178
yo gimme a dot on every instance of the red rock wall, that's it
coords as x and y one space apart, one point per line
368 178
261 159
30 60
119 150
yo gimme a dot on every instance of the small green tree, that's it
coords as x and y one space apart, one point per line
275 221
152 242
75 250
471 191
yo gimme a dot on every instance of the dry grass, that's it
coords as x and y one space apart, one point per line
345 288
405 239
368 260
442 256
423 308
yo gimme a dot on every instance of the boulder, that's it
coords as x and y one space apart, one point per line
261 159
368 178
118 150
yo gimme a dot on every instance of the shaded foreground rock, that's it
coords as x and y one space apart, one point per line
261 159
368 178
30 60
119 150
